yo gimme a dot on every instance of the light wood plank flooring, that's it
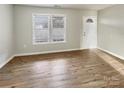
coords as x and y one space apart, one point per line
76 69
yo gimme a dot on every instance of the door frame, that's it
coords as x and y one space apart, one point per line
83 46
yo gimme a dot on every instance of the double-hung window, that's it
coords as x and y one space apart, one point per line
48 28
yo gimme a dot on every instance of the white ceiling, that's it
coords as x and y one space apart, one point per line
74 6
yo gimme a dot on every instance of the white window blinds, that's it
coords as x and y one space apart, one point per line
48 28
58 28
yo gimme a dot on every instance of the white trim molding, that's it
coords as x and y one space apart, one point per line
46 52
5 62
116 55
56 51
35 53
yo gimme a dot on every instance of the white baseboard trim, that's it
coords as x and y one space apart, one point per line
116 55
46 52
5 62
36 53
56 51
83 48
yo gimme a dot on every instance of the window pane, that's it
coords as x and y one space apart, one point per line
41 29
58 28
58 22
41 36
41 22
57 35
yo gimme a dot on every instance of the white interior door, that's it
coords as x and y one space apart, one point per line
89 32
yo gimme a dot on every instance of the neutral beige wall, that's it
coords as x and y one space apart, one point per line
111 29
6 32
23 29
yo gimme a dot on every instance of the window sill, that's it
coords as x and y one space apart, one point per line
49 43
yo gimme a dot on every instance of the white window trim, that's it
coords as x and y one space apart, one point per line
49 42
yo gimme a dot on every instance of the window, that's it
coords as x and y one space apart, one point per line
89 20
58 28
48 28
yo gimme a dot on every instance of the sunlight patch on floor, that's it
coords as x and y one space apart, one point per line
113 62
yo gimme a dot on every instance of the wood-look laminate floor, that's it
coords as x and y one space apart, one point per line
76 69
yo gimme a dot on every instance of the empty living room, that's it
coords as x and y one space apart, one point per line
61 45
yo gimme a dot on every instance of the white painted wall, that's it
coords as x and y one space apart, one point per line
23 29
111 29
6 33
